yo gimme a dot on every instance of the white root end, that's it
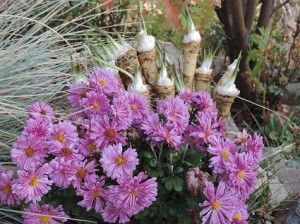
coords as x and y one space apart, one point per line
223 104
190 52
143 42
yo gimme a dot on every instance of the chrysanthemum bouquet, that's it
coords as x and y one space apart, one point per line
122 156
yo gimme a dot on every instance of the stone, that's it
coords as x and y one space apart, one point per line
278 191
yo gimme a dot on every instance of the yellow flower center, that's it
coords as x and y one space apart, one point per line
120 160
169 137
238 216
133 192
45 219
244 139
67 151
83 94
216 205
96 193
133 107
241 174
29 152
81 173
102 82
33 182
60 137
110 133
174 115
208 134
225 155
207 105
43 112
91 146
96 106
7 189
188 95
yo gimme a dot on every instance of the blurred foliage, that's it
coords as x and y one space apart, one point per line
272 57
281 131
166 21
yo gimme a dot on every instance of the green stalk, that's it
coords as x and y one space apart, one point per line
114 67
140 8
188 17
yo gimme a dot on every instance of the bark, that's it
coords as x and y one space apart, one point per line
237 17
265 13
249 15
240 33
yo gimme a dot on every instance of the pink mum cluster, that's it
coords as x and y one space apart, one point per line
58 152
233 163
90 152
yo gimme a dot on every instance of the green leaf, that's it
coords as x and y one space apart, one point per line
156 173
174 182
153 162
257 67
178 184
147 154
179 170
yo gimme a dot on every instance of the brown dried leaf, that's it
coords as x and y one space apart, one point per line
107 4
172 14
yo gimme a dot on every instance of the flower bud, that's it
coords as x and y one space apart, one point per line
132 134
195 180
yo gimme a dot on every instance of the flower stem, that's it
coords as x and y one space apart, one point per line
160 150
184 152
153 151
171 162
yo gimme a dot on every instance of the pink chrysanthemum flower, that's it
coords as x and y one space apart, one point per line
153 128
240 214
117 164
206 128
32 184
67 151
96 104
242 137
87 146
242 177
219 208
203 102
106 132
6 194
83 172
1 170
254 145
61 172
134 194
28 152
175 112
172 138
223 151
121 112
45 214
63 132
103 80
41 110
37 128
192 141
77 93
138 105
111 214
93 195
186 95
